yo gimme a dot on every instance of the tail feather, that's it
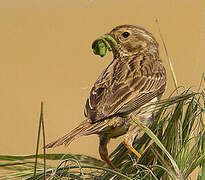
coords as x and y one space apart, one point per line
84 128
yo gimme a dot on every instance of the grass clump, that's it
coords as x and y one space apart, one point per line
175 144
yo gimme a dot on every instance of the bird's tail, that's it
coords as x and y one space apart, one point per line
84 128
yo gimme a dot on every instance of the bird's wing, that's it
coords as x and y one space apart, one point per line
124 86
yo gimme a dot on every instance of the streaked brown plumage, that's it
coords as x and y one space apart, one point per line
133 79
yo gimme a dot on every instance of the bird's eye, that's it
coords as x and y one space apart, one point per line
125 34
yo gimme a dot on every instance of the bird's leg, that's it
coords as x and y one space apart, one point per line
149 119
129 138
129 146
150 143
103 151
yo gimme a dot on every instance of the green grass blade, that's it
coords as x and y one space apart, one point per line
187 119
82 158
157 141
203 154
194 165
125 177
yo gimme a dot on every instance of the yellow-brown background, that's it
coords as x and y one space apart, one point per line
45 54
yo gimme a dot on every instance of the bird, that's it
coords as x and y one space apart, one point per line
129 86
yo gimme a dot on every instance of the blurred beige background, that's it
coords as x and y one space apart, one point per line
45 54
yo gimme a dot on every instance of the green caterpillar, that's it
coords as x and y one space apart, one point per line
102 44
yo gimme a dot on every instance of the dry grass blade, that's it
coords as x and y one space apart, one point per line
168 58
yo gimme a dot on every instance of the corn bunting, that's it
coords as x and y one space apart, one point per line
134 79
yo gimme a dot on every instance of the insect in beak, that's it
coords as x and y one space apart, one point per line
104 43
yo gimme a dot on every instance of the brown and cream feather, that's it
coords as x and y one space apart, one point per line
134 78
127 84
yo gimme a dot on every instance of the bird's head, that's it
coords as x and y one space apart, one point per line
132 39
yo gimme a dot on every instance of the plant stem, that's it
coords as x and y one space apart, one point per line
44 141
37 145
203 162
168 58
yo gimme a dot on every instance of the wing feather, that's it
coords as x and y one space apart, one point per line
123 89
